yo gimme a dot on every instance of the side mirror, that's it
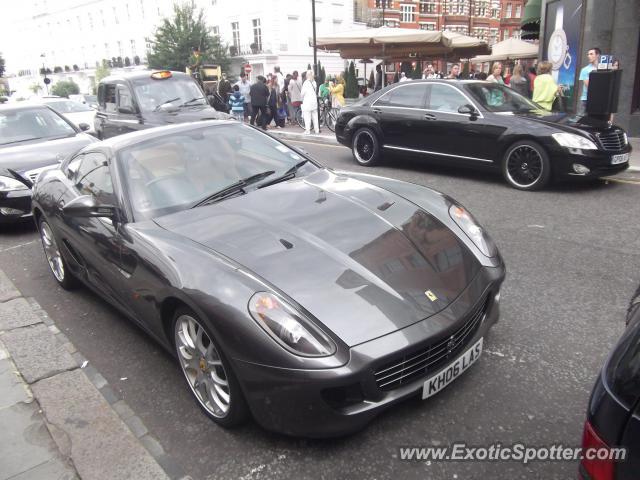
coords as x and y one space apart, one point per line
84 127
126 110
468 110
87 206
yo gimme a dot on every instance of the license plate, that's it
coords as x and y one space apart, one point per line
436 383
622 158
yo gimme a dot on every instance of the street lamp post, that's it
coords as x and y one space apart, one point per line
44 71
315 50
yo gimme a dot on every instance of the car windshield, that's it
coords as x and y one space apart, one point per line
68 106
153 93
498 98
30 124
176 171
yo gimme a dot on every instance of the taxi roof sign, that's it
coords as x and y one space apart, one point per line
161 75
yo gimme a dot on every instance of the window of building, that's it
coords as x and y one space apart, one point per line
133 48
119 48
115 15
518 11
257 34
128 13
507 13
384 4
102 18
407 13
90 21
427 7
215 31
505 34
428 26
235 30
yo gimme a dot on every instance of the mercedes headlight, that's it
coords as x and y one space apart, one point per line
473 230
8 184
288 327
570 140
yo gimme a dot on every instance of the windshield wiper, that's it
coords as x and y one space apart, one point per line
192 100
164 103
233 188
286 175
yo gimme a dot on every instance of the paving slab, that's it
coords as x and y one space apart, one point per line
12 390
36 352
51 470
100 444
17 313
7 290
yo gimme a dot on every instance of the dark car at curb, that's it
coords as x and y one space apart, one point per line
32 139
133 101
309 298
482 125
613 414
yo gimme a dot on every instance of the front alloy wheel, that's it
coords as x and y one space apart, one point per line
526 166
206 371
54 257
365 146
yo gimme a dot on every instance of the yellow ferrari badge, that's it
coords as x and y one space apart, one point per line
431 296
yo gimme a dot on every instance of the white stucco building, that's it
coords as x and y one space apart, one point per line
63 33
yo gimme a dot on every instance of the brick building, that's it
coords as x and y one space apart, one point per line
491 20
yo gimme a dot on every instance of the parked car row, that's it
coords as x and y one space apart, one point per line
307 298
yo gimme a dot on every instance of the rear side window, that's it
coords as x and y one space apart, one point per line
409 96
445 98
93 178
109 101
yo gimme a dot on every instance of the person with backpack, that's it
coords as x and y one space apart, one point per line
236 102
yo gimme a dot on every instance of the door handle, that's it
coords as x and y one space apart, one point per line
375 110
429 116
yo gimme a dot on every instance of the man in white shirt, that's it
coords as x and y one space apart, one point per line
429 72
280 79
403 77
245 90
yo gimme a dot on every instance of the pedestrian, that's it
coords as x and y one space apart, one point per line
244 87
325 89
532 78
310 104
279 79
496 74
259 97
455 72
274 105
519 83
593 55
403 77
545 87
337 93
378 78
429 72
481 76
224 88
236 102
295 95
507 76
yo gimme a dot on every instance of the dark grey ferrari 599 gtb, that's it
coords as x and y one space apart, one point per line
309 298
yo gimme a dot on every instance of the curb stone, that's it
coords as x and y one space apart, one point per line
96 432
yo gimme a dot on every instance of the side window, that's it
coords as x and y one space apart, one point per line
101 94
446 99
73 166
110 98
94 178
124 97
409 96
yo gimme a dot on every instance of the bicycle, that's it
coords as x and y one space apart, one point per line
327 115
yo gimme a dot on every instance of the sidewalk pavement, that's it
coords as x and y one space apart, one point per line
327 137
59 417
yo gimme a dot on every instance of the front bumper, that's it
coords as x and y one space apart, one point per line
339 401
15 206
597 161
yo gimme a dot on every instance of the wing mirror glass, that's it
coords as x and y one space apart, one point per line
127 109
468 110
88 206
84 127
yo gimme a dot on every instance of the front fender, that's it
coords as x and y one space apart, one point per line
360 121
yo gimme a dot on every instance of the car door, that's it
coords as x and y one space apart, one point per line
107 111
468 137
127 118
93 241
401 114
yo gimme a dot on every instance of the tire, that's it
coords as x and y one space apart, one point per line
366 147
207 371
332 118
526 166
57 263
300 118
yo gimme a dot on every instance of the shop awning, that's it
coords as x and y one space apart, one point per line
509 49
530 22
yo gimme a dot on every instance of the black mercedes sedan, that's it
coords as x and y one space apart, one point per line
32 139
613 415
485 125
310 298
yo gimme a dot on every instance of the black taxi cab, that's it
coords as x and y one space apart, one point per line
137 100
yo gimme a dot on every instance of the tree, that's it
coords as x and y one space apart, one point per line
67 68
1 66
127 62
351 82
75 67
57 69
101 72
35 88
173 41
64 88
136 60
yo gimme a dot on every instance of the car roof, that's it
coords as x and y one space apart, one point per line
138 74
22 106
123 141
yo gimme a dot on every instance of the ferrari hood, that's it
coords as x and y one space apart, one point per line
362 261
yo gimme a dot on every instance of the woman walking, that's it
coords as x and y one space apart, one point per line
518 82
545 87
337 93
310 104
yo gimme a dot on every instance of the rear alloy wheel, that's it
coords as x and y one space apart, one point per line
526 166
207 371
54 257
366 148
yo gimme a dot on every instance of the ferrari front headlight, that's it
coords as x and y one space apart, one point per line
8 184
288 327
571 140
473 230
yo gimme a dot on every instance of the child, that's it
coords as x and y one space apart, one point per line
236 102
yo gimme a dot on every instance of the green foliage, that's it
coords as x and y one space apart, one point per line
351 82
2 67
64 88
57 69
101 72
35 88
322 76
174 39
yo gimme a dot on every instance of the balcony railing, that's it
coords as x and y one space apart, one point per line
250 49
